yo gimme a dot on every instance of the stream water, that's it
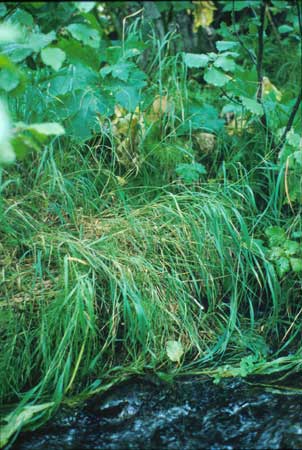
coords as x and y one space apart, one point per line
190 414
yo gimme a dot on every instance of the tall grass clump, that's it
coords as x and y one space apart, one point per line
102 293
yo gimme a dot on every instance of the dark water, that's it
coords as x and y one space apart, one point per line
187 415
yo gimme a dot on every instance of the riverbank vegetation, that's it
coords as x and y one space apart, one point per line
150 196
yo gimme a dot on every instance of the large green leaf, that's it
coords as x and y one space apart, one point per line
9 33
53 57
77 53
252 105
9 80
47 128
216 77
128 97
85 6
225 62
120 70
225 45
89 36
195 60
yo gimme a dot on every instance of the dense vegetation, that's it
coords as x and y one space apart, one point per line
150 196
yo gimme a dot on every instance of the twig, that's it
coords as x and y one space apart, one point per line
238 36
299 98
290 122
260 52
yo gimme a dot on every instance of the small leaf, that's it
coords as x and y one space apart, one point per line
252 105
190 172
276 235
296 264
225 45
85 6
174 350
283 266
285 29
297 235
53 57
216 77
298 157
195 60
291 248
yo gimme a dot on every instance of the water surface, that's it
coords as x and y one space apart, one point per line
190 414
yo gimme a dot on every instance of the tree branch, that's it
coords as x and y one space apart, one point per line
238 36
299 98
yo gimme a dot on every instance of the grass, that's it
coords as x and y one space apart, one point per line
94 285
104 258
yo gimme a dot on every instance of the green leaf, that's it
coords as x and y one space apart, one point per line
225 63
297 235
296 264
225 45
240 4
120 70
276 253
37 41
22 17
283 266
128 97
53 57
216 77
252 105
195 60
47 128
3 9
8 80
298 157
89 36
85 6
9 33
77 53
285 29
190 172
291 247
293 139
18 418
174 350
24 144
276 236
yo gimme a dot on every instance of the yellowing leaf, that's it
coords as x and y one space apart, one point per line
161 105
268 87
203 14
174 350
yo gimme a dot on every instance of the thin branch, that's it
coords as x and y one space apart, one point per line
260 52
290 121
252 57
299 98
